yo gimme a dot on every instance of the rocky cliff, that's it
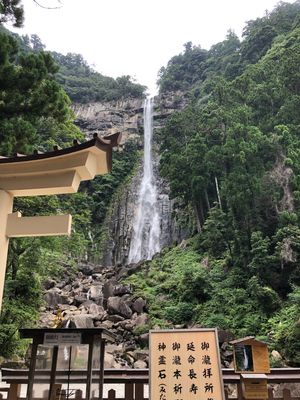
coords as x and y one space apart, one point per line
115 116
126 116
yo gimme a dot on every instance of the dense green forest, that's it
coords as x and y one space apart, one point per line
81 83
232 156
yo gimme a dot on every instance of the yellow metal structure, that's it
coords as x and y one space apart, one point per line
56 172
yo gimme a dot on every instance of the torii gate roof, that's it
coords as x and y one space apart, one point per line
58 171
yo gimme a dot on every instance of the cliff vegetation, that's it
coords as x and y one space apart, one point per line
232 155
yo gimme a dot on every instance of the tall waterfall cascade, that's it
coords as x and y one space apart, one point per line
145 240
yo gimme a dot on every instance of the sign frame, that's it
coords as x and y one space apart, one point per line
61 338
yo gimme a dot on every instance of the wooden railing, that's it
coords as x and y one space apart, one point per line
134 381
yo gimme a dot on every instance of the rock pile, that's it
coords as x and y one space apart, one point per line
94 298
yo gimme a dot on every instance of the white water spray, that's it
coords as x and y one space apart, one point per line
146 229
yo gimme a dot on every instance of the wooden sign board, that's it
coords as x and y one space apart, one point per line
185 365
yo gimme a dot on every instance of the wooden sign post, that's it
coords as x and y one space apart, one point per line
185 365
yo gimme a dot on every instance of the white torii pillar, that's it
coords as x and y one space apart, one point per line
56 172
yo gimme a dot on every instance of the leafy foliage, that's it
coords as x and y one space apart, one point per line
34 109
11 11
83 84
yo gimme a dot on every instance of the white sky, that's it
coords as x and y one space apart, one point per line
136 37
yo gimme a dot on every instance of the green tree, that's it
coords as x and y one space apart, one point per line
34 109
11 11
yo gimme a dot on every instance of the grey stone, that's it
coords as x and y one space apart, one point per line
139 305
120 290
108 289
95 310
53 297
141 355
125 310
97 277
49 283
144 339
104 324
86 269
82 321
115 318
142 319
115 305
109 360
95 292
61 284
139 364
79 299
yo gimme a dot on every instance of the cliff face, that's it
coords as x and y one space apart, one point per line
127 117
115 116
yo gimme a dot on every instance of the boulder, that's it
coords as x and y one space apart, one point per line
95 292
142 319
86 269
53 297
94 309
144 339
79 299
125 310
276 355
108 289
108 360
130 346
113 348
139 364
104 324
115 318
120 290
82 321
49 283
129 358
61 284
141 355
139 305
47 320
115 305
97 277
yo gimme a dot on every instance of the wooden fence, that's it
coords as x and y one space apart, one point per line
135 380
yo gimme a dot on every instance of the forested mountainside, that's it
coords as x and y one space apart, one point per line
80 81
232 156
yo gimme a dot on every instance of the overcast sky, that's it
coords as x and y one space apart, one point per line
136 37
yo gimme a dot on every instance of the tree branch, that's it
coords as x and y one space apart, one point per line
48 8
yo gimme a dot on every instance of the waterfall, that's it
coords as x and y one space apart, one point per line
145 240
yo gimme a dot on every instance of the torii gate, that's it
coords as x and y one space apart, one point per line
56 172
